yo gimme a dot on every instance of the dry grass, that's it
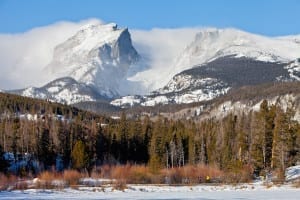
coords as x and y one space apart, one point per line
141 174
22 185
11 182
45 180
120 172
192 174
105 171
50 180
48 176
133 174
6 181
72 177
296 183
279 177
120 185
268 185
239 175
121 175
3 182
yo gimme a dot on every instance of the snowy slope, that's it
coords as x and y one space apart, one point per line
294 69
210 80
97 55
210 44
62 90
284 101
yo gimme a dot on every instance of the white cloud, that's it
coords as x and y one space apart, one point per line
161 47
23 56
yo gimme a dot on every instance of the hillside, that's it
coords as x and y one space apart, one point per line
14 105
247 98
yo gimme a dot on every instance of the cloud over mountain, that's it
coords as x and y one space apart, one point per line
23 56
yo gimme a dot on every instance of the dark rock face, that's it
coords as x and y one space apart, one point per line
123 50
240 71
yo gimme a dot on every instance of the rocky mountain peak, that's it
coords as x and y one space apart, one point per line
98 55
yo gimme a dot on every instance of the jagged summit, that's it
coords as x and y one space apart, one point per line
97 55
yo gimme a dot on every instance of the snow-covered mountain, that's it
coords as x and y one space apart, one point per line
210 44
62 90
102 62
237 101
97 55
210 80
215 61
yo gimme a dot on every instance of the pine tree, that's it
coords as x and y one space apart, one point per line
101 145
3 163
213 155
123 138
80 159
64 148
157 147
243 139
191 144
257 144
284 152
45 151
229 155
15 137
262 137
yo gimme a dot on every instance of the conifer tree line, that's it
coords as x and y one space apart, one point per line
266 140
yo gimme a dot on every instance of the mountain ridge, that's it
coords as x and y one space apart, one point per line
104 64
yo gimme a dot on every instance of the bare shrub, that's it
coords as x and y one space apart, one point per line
50 180
192 174
46 178
172 175
105 171
120 185
8 182
72 177
279 176
22 185
135 174
239 175
139 174
120 172
4 182
296 183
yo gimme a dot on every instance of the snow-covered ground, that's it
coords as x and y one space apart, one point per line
245 192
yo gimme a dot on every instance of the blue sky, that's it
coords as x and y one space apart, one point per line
268 17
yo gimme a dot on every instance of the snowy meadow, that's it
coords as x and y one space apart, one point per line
202 192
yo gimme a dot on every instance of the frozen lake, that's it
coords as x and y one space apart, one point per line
242 192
